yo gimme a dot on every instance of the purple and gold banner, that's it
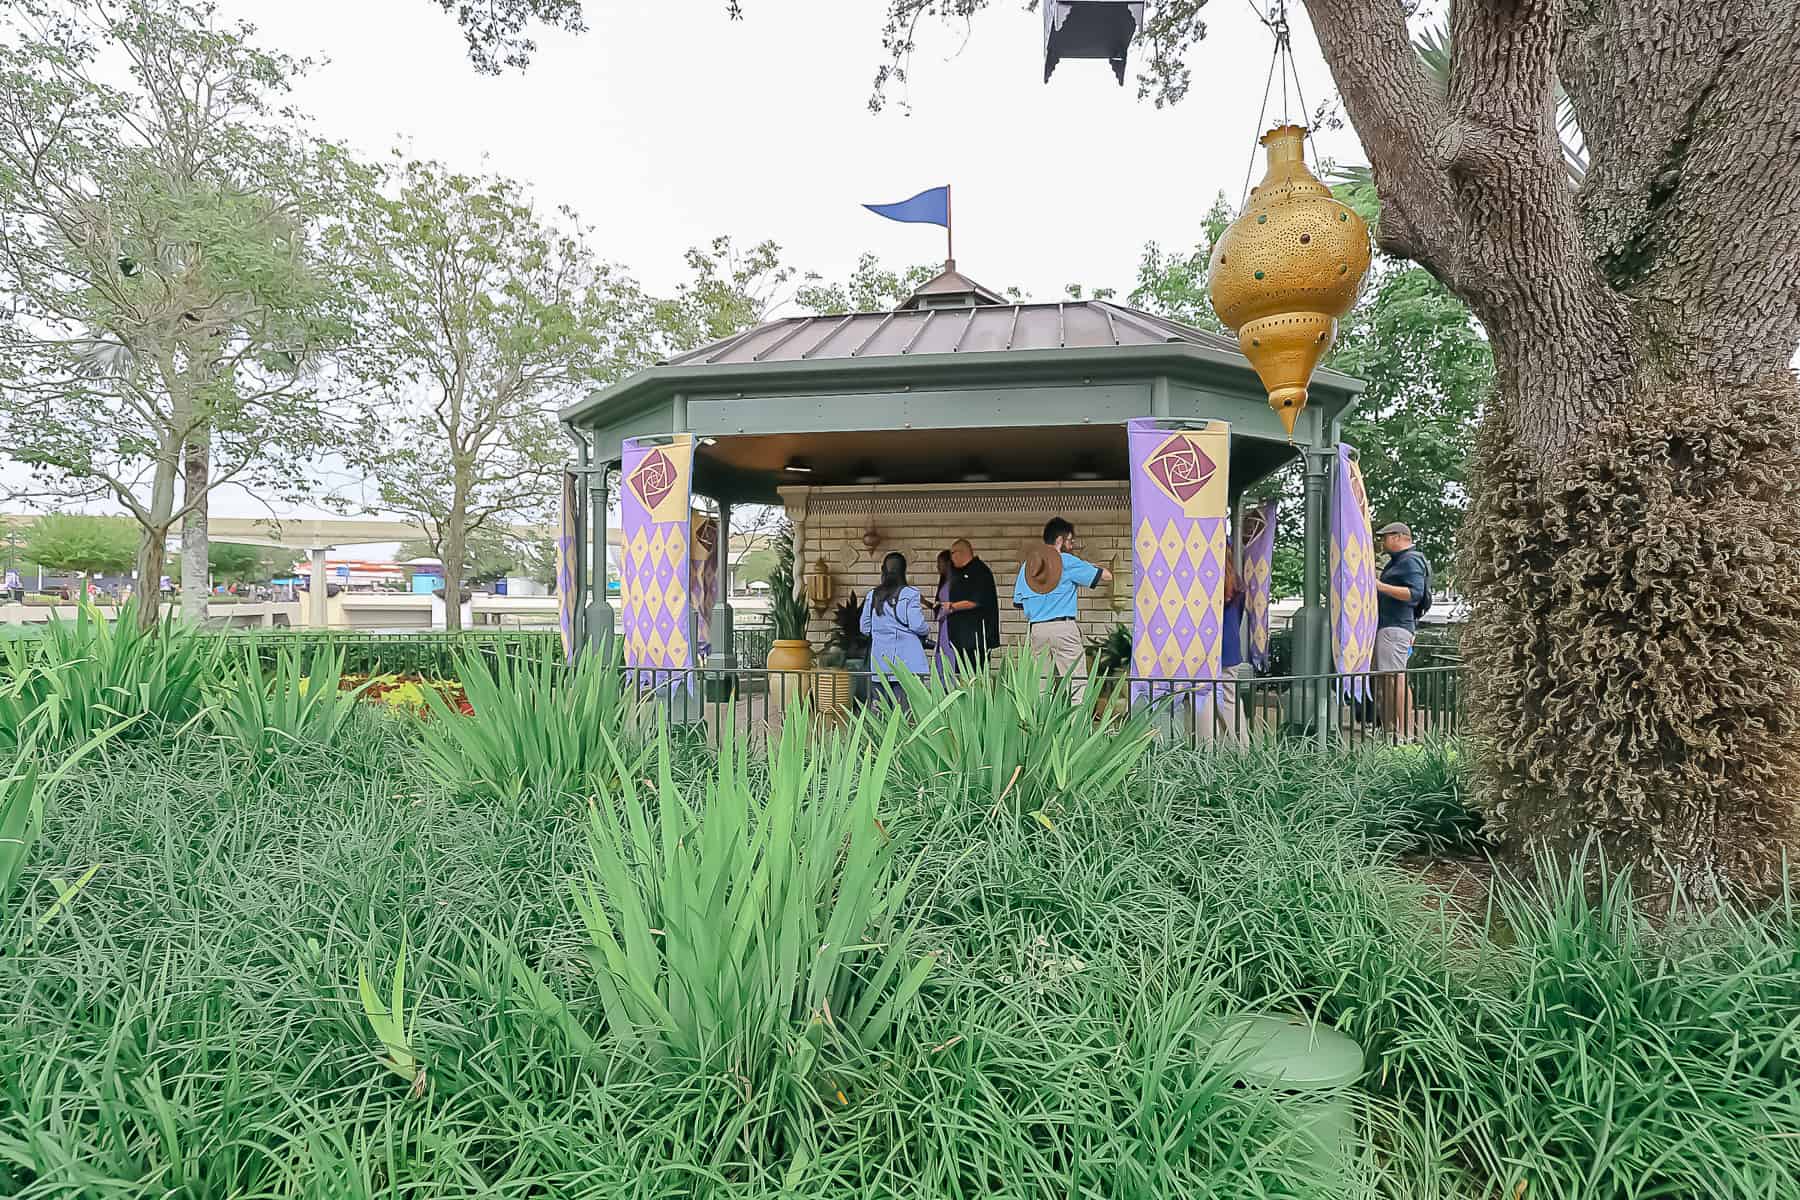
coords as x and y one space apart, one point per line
1259 575
655 493
567 531
1352 574
704 570
1179 498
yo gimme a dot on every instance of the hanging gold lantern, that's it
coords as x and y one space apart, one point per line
1286 270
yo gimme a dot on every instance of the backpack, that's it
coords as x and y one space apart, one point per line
1424 604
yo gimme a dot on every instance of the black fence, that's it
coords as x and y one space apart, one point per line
1332 710
429 655
436 655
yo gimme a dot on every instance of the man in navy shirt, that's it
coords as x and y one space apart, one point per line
1401 589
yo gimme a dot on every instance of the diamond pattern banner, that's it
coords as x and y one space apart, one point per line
1178 517
655 499
1352 575
1259 568
567 531
703 558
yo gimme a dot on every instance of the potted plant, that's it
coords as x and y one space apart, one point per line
1109 660
833 689
791 654
846 655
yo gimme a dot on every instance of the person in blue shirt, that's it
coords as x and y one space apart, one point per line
894 621
1047 592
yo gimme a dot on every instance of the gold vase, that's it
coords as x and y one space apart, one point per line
1286 270
790 670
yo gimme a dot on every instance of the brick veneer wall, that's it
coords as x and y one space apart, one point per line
1001 520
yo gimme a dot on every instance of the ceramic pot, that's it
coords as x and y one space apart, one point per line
790 667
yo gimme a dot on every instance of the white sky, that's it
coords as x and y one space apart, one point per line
667 124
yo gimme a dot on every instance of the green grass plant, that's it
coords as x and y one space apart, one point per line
538 727
220 1012
1013 738
290 709
746 929
84 675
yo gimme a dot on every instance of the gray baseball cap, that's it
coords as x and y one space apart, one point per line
1399 527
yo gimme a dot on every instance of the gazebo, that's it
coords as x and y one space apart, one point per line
958 414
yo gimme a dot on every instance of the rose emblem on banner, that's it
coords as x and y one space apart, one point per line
1180 468
1255 523
1356 489
654 479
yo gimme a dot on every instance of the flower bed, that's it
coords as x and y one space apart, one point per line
407 692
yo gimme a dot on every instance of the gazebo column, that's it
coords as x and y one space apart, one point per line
599 612
1312 636
724 644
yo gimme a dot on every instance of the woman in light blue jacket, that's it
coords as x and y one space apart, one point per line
894 620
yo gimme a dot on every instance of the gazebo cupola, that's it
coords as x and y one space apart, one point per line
950 289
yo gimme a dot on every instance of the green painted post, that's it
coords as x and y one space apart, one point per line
600 613
579 574
723 632
1312 636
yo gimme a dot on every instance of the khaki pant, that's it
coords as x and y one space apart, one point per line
1061 641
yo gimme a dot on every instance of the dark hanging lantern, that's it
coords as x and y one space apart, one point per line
1090 29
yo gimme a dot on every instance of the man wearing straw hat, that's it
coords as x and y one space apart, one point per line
1046 590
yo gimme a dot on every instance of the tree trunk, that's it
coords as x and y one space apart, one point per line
152 547
1633 540
455 541
196 582
1635 640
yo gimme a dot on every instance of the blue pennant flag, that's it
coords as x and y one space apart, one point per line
931 207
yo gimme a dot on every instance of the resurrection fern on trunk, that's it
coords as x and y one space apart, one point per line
1638 630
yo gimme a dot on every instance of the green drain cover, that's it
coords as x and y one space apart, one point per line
1287 1052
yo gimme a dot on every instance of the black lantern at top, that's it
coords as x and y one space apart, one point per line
1090 29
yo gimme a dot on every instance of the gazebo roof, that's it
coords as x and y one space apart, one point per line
1039 389
1074 336
963 329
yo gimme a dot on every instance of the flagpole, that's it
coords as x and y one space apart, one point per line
949 233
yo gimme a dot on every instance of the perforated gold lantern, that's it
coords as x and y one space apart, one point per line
1286 270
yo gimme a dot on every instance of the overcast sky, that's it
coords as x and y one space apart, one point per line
667 124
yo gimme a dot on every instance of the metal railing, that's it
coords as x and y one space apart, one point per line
751 643
1331 710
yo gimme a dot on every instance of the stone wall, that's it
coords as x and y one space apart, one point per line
1001 520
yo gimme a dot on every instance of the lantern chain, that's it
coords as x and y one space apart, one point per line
1281 59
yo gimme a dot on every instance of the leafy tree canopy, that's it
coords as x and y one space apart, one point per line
496 29
88 545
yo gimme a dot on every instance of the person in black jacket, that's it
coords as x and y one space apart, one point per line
974 606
